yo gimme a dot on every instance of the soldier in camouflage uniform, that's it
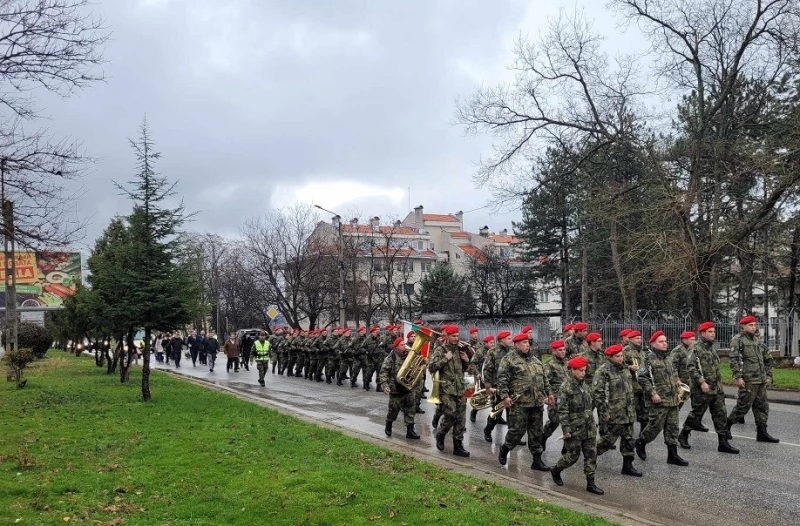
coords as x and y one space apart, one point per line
522 375
399 398
535 350
751 364
623 337
435 344
381 350
576 344
556 372
702 366
634 356
313 356
369 348
332 358
476 366
273 339
568 332
451 363
659 381
418 390
490 368
678 357
294 352
612 391
594 355
358 366
322 355
344 351
575 411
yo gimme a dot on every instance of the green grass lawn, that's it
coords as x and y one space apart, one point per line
788 379
78 447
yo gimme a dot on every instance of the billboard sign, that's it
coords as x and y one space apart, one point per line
44 279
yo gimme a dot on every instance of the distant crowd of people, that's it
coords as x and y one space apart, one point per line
202 349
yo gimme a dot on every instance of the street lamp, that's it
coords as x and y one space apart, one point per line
342 320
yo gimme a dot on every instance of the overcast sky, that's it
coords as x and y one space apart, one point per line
256 104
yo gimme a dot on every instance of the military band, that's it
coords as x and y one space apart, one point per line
623 383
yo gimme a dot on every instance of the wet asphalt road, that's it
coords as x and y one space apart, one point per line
761 486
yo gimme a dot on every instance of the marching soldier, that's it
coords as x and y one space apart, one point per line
751 364
399 398
345 354
556 372
702 365
411 336
576 344
381 351
451 363
521 375
476 366
568 332
623 336
490 367
535 350
332 358
594 355
678 357
634 356
612 392
659 381
369 349
275 340
359 366
261 349
575 411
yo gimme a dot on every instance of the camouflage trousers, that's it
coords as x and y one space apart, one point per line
642 408
755 396
262 369
360 366
713 401
321 364
552 421
404 403
345 363
454 415
522 420
331 366
574 447
313 363
375 364
662 419
610 432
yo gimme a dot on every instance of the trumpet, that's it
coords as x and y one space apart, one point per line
499 408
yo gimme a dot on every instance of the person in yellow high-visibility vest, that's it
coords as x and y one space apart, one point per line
261 350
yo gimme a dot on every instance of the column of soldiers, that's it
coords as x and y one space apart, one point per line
623 382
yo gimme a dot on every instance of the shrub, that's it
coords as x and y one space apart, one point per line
17 360
33 337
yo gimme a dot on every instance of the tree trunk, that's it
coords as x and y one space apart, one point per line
615 260
584 281
793 264
125 356
701 287
146 366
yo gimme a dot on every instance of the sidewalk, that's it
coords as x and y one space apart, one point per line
774 396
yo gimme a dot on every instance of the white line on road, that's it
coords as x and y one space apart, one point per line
781 442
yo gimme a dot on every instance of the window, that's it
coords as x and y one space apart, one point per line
426 266
458 255
383 288
408 289
419 245
406 266
433 247
544 296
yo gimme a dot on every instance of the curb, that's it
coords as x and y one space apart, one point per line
781 401
615 515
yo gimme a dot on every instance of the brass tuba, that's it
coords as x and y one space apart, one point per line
413 366
434 397
684 392
480 398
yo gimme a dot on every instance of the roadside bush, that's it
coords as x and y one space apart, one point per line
33 337
17 361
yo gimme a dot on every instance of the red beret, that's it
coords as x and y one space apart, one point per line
655 335
526 329
580 326
375 328
577 362
687 334
362 329
624 332
397 342
347 330
557 344
473 330
568 327
503 334
703 327
450 329
747 319
488 339
521 337
613 349
634 334
388 326
410 334
593 336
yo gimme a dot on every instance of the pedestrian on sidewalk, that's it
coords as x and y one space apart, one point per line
165 346
261 349
203 354
212 348
232 352
194 343
176 344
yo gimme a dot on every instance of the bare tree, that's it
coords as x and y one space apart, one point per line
501 283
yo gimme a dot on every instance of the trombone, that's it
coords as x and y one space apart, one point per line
499 408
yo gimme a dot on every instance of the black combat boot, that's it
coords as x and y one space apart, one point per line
740 420
556 474
673 458
388 428
378 388
339 379
591 487
725 446
487 432
352 383
683 439
473 415
538 464
639 446
328 379
458 449
700 427
319 377
628 469
502 455
410 433
728 425
366 386
435 421
763 436
440 441
289 373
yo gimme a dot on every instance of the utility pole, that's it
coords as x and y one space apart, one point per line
342 318
10 269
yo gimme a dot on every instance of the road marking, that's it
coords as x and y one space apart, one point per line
781 442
